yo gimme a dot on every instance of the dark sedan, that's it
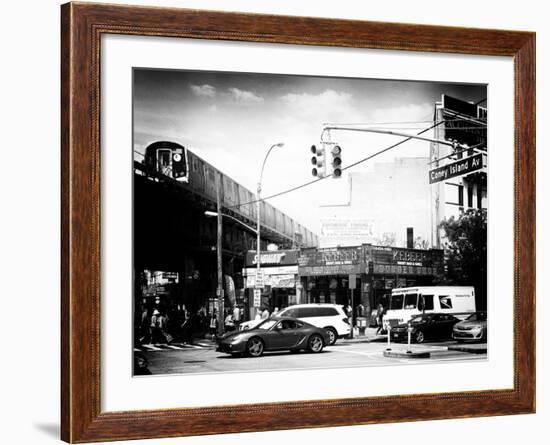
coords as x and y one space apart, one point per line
274 334
426 327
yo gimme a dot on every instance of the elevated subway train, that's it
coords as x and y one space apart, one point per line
192 172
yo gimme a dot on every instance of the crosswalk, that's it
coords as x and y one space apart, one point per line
169 347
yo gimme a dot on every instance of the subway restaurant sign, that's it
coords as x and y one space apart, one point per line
458 168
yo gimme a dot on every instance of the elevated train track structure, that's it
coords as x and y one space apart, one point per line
170 225
237 201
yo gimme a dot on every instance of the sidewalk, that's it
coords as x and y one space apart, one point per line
369 336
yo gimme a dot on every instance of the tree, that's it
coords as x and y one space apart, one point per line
466 252
421 243
388 239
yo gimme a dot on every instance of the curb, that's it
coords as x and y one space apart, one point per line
468 349
407 354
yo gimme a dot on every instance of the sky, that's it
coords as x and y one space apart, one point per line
232 119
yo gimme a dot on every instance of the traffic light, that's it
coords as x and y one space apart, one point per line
318 161
336 161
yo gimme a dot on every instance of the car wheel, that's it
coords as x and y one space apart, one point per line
255 347
332 336
419 337
315 343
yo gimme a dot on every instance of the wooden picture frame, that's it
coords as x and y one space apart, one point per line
82 26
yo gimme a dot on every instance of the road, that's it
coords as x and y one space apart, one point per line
196 359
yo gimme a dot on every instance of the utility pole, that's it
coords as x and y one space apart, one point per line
258 267
219 247
258 199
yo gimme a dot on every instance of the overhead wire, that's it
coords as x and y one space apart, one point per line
306 184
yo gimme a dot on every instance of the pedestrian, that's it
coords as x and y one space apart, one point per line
213 325
380 311
164 336
229 323
258 315
236 315
145 327
265 314
186 330
155 326
349 311
275 311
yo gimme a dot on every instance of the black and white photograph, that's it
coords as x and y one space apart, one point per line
290 222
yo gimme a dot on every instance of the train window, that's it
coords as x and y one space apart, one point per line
164 161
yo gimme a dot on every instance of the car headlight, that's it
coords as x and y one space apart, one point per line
237 338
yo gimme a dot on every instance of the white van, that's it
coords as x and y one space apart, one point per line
406 302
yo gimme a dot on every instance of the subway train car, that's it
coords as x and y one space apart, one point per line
175 161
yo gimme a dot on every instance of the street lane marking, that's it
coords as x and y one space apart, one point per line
151 347
369 354
173 347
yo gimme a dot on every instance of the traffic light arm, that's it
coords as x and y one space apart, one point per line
398 133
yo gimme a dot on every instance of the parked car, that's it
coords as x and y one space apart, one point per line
425 327
274 334
474 328
330 317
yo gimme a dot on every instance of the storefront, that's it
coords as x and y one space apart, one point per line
325 275
365 274
279 286
396 267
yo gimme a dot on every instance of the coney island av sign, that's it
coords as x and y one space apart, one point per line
458 168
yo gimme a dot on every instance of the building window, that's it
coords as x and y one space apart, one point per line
479 197
461 195
470 196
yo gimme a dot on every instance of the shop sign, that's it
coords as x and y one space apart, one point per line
331 256
271 270
399 260
272 258
274 281
344 269
392 269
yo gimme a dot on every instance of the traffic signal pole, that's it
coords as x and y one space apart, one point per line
398 133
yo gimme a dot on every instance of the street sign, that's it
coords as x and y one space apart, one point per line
257 297
259 281
352 281
458 168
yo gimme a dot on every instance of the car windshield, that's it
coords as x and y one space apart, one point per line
268 324
396 301
479 316
418 319
410 301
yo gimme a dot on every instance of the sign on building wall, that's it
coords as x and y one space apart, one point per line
331 261
272 258
402 261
